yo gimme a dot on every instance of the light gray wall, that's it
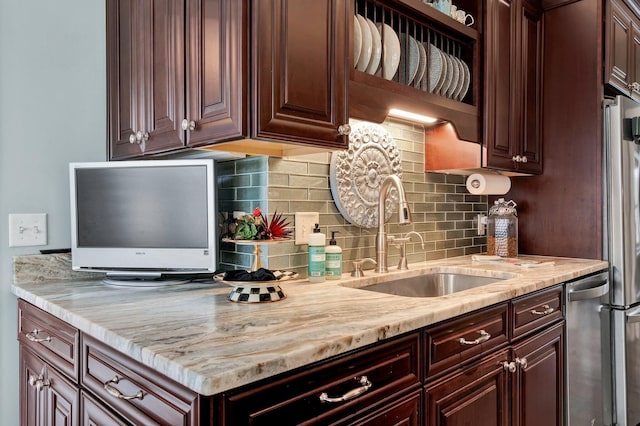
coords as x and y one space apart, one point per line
52 112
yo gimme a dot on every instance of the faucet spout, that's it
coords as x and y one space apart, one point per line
404 218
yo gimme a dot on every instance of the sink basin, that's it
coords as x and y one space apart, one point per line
431 285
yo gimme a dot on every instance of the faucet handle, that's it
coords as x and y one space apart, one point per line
409 234
357 266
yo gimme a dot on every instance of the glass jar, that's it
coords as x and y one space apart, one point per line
502 229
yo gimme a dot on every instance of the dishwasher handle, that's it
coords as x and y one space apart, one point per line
589 288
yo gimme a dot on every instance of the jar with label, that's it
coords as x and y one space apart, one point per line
502 229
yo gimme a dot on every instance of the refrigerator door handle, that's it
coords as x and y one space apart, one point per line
633 316
589 293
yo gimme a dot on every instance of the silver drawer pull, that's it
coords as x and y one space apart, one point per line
484 336
115 392
365 386
32 336
547 310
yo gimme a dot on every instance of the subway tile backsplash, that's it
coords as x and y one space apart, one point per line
442 209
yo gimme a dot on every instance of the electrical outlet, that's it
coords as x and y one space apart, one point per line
27 230
305 222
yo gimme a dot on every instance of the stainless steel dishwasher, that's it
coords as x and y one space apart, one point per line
585 387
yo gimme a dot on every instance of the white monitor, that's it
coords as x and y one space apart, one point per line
143 220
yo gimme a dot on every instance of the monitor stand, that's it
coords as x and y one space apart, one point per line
143 281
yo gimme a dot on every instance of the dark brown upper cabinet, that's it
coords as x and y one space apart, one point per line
300 74
145 76
622 48
180 73
513 86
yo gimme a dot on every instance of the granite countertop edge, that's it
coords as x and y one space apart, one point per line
195 336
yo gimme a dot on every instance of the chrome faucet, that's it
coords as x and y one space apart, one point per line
404 218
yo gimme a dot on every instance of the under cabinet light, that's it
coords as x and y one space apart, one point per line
411 116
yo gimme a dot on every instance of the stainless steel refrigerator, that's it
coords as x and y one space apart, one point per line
621 310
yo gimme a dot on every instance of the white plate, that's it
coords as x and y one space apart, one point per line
467 81
443 74
434 69
390 51
409 59
422 65
448 76
365 52
455 76
376 49
357 41
456 92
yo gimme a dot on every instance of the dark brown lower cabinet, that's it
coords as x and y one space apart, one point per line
497 366
476 395
537 387
378 385
521 385
46 397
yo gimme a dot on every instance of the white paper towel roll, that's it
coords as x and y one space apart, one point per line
488 184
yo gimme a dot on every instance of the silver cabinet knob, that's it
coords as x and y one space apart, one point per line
188 125
344 130
142 136
509 366
138 137
516 159
521 362
524 159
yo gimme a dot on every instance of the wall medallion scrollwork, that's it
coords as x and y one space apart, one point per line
357 173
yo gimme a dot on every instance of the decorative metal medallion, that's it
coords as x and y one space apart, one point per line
356 174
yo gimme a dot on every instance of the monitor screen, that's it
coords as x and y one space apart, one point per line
156 216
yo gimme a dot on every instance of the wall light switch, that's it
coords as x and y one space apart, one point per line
27 230
305 222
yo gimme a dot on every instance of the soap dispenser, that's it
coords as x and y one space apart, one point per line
333 258
317 265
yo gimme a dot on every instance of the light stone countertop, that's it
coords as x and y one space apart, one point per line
194 335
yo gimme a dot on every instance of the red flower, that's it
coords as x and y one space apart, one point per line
257 212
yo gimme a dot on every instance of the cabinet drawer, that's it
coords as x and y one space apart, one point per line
95 413
455 341
391 369
536 310
50 338
134 391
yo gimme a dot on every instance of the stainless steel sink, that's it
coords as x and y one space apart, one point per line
431 285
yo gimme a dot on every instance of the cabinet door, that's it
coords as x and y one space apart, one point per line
476 395
529 132
617 38
500 83
145 50
539 381
217 69
513 86
635 55
46 397
300 71
122 61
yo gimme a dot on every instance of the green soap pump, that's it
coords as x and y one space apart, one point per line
317 264
333 262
